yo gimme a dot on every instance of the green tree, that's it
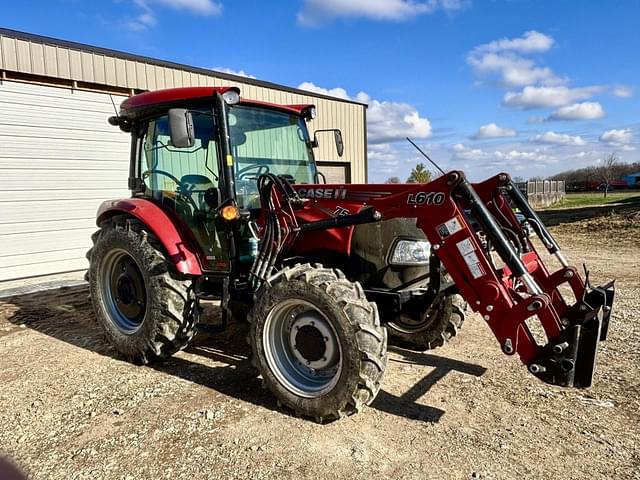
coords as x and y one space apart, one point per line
419 174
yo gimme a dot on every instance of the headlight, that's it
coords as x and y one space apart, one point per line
410 252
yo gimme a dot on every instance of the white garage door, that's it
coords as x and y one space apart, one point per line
335 172
59 158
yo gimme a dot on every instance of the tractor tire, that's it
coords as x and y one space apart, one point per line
438 325
317 342
143 304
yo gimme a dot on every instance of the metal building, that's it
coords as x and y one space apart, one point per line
59 158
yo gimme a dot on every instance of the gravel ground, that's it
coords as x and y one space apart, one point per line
70 408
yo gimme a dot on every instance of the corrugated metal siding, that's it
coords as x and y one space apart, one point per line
36 58
59 159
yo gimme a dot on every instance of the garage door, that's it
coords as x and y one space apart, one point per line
59 158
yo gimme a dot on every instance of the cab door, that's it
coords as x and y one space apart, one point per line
179 180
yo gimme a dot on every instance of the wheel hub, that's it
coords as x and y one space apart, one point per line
302 348
125 293
312 342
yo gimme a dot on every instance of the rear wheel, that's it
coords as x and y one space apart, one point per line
317 342
142 303
439 324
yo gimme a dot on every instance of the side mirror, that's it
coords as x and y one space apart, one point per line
181 128
339 143
337 135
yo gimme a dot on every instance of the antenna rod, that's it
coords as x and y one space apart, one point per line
115 109
425 155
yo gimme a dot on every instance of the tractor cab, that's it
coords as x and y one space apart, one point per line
204 150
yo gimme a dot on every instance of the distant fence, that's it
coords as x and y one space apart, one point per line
543 193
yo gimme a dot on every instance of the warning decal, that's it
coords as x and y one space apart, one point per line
468 252
450 227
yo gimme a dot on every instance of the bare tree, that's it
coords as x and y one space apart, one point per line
392 180
518 179
607 171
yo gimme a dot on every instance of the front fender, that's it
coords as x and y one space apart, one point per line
161 225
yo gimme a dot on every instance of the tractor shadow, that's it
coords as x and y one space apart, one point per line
406 405
220 362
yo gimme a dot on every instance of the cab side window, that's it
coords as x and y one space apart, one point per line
167 169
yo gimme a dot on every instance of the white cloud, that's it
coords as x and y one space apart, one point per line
559 139
530 42
148 18
523 156
617 137
318 12
503 58
142 22
492 130
386 121
460 152
622 91
512 70
203 7
545 97
579 111
332 92
383 158
511 158
230 71
392 121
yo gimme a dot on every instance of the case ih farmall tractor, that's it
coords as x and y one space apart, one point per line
227 204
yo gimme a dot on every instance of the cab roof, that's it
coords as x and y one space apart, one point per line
156 101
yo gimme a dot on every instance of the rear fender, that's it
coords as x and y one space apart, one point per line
161 225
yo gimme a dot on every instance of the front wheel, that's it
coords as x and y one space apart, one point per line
317 342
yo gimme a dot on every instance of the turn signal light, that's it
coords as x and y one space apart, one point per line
230 212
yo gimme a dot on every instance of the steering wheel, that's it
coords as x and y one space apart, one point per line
181 187
243 172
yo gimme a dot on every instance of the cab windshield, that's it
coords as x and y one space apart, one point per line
268 141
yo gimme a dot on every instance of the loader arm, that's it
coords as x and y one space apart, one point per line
508 291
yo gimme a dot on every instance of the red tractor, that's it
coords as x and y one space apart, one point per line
227 204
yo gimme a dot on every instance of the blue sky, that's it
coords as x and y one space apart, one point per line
532 87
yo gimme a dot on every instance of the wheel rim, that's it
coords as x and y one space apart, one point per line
302 348
406 324
123 291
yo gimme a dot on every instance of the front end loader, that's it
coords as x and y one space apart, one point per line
227 204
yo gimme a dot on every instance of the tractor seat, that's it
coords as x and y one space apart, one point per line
197 185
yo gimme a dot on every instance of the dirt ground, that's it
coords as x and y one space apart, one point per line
70 408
